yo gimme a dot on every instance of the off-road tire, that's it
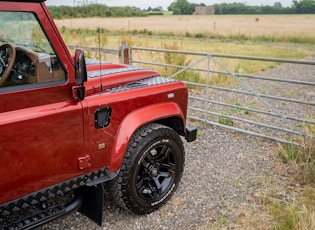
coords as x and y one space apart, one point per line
151 169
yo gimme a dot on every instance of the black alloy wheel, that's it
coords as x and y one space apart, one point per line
151 169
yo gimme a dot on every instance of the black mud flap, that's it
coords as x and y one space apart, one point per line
191 133
93 203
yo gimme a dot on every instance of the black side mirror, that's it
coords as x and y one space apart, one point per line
80 66
80 75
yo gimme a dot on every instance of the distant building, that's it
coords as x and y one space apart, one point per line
204 10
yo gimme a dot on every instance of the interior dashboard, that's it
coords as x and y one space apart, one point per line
34 67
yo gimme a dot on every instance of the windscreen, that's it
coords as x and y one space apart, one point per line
22 28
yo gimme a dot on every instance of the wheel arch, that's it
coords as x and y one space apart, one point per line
168 114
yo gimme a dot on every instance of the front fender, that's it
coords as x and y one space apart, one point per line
134 121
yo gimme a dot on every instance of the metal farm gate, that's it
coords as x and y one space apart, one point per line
276 102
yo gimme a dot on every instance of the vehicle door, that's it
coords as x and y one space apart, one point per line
41 125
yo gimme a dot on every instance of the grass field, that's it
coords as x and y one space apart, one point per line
283 35
277 36
226 25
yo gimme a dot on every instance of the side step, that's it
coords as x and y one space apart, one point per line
37 219
45 216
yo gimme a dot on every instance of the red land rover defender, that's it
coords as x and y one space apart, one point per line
73 127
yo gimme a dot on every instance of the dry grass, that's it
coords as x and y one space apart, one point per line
292 205
267 25
89 38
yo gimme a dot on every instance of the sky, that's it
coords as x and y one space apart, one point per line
145 4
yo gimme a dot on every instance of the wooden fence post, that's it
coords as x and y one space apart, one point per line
124 53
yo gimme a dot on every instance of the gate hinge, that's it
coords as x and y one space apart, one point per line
84 162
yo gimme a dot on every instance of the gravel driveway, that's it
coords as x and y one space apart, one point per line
225 171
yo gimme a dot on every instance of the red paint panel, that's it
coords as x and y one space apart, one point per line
39 147
34 97
130 109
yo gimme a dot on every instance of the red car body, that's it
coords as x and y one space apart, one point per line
49 137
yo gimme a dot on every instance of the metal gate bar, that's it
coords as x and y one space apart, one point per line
290 128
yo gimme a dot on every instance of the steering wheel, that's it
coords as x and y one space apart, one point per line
7 58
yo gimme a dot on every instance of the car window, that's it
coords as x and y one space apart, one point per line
26 56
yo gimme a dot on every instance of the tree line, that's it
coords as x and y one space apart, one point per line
180 7
298 7
94 10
